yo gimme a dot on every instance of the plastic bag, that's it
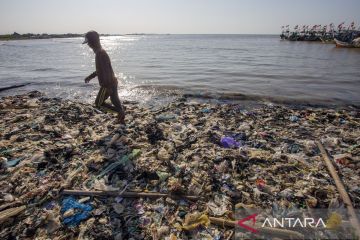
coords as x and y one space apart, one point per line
82 213
194 220
229 142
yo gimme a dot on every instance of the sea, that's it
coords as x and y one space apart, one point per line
153 69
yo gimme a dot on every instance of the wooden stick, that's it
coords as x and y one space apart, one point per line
340 187
230 235
127 194
11 204
288 234
13 86
11 212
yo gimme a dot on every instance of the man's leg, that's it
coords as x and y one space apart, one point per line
115 100
100 103
114 97
118 107
101 97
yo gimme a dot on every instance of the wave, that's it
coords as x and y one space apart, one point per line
237 97
44 69
14 45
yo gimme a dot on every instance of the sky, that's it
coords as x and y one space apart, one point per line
171 16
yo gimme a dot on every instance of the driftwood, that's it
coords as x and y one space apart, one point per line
288 234
127 194
13 86
11 204
11 212
340 187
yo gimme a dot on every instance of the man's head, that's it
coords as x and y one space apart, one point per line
92 39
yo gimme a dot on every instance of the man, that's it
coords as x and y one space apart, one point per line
107 80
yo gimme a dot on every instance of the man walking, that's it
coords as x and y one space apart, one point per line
107 80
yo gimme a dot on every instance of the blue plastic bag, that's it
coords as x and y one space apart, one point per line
229 142
82 213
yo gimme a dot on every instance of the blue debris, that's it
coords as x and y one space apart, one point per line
82 213
294 118
229 142
205 110
217 237
14 162
239 136
342 121
165 117
49 205
294 148
41 173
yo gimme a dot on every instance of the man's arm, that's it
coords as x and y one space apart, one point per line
91 76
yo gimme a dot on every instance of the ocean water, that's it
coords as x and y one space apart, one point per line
156 68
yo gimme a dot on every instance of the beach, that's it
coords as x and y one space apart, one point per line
209 159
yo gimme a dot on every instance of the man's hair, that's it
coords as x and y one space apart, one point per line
92 37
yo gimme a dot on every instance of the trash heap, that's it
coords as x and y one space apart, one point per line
226 155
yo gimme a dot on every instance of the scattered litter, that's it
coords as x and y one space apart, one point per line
177 172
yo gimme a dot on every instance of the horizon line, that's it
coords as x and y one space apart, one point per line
140 33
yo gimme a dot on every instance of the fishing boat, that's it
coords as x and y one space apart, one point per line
341 44
356 42
328 37
353 44
318 33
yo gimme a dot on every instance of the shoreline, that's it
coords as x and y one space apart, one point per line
49 144
246 100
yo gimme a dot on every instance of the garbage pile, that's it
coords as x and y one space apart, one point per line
169 171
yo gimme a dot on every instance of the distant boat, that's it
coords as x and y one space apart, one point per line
353 44
356 42
346 37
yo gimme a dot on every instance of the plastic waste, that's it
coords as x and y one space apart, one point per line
206 110
229 142
162 175
82 211
334 221
165 117
14 162
119 208
220 205
135 153
294 118
194 220
269 161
